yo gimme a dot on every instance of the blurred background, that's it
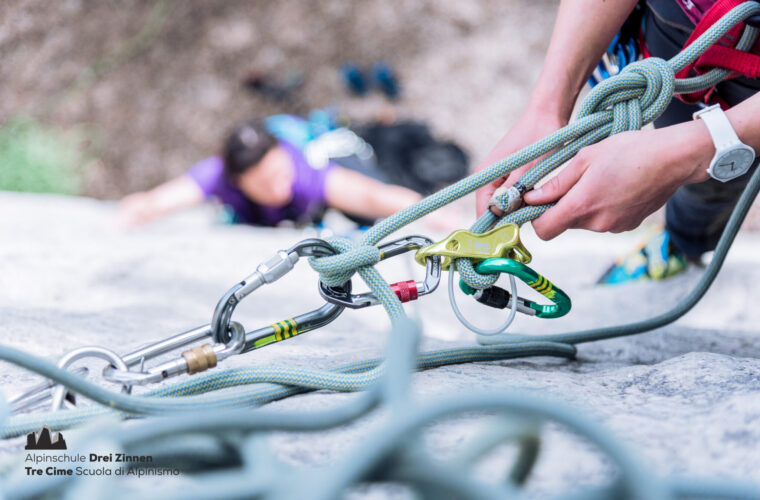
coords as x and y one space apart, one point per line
102 98
105 98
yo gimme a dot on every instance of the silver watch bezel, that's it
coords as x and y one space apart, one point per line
719 155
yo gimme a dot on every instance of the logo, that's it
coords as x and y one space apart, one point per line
44 441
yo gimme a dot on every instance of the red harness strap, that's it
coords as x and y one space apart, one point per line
721 55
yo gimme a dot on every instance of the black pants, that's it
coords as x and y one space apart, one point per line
696 214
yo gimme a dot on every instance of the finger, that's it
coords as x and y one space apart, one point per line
484 194
556 187
555 221
502 149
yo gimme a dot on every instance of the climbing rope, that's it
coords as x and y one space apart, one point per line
201 415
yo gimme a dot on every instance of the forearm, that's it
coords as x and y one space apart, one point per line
389 200
582 32
356 194
143 207
176 194
745 118
692 146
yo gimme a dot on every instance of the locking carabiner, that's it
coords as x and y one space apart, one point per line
561 301
404 290
266 273
190 361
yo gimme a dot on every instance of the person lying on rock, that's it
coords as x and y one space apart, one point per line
264 181
614 184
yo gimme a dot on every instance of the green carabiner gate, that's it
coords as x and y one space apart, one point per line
561 305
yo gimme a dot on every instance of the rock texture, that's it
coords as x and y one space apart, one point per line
686 397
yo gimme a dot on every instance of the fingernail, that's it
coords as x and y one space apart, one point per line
537 192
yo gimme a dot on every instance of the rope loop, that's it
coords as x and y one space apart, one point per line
335 270
638 95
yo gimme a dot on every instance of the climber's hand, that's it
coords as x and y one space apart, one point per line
613 185
532 126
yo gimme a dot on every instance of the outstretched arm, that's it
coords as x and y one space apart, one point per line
582 32
140 208
357 194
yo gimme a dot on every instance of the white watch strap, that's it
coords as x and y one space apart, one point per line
720 128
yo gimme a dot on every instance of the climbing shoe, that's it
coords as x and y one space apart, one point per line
386 80
354 78
655 259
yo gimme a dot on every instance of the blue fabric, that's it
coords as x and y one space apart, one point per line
289 128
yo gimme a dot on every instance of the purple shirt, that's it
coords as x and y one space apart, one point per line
308 191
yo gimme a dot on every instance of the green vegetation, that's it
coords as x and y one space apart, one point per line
41 159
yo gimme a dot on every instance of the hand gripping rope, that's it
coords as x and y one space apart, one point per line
214 434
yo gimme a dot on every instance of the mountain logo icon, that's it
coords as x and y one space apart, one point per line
43 440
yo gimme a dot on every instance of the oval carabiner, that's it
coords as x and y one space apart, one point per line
561 301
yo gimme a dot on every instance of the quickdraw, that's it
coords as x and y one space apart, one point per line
229 338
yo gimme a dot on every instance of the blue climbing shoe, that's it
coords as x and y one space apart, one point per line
655 259
386 80
354 78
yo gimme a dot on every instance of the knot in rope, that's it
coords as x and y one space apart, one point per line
335 270
628 101
638 95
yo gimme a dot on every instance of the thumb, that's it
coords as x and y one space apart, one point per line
556 187
554 221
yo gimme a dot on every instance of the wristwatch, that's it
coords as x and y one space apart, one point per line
732 157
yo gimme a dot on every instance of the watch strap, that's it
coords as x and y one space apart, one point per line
721 131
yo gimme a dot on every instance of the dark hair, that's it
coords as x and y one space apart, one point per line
245 146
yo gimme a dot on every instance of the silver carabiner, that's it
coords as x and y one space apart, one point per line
58 393
191 361
38 394
405 290
86 352
266 273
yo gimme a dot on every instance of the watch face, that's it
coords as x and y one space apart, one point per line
732 164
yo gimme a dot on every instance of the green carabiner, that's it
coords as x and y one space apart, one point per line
561 305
